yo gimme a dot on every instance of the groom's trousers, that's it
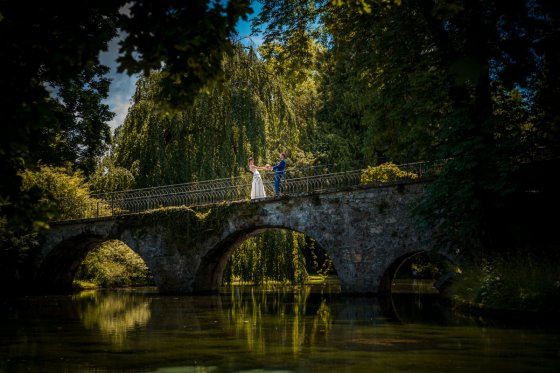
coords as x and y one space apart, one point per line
277 178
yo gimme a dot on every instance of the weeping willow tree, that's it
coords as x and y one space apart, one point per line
248 115
273 255
280 256
251 113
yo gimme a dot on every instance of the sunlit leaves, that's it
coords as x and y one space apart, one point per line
385 172
113 264
271 256
66 194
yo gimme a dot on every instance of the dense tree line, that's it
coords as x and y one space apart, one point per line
470 81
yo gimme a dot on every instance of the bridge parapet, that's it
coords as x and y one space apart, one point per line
296 181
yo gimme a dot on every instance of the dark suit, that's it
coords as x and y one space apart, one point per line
279 168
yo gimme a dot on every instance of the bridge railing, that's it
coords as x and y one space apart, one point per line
314 179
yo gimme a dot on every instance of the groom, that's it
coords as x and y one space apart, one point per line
279 168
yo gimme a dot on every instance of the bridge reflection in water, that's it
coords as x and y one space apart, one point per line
249 329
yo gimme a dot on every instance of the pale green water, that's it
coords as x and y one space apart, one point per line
249 330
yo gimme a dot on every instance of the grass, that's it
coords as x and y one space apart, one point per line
84 285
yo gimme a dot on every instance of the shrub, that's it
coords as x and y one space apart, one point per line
514 282
385 172
66 193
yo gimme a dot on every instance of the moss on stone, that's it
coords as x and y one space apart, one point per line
185 224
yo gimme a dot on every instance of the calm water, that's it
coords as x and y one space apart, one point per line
250 330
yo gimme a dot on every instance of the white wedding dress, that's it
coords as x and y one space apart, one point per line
257 188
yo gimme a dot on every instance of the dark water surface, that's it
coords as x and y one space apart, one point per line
250 330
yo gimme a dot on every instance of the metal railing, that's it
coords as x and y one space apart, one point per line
296 181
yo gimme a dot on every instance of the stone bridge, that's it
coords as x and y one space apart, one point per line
366 230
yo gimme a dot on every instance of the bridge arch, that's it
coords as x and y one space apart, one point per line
58 268
388 277
209 276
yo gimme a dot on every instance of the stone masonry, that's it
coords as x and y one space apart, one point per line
367 231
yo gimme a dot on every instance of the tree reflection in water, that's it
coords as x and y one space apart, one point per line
260 329
295 321
266 320
114 314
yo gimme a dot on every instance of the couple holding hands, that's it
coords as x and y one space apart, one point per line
257 188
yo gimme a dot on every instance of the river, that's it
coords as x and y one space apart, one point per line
247 329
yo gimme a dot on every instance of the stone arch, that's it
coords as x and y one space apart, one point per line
390 272
212 265
57 269
386 281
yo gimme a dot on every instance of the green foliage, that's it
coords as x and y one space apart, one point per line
114 264
317 262
278 256
111 178
288 30
474 82
62 194
249 115
53 84
515 281
66 193
422 80
83 134
270 256
385 172
53 87
68 197
384 105
185 41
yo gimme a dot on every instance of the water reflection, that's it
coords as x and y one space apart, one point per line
113 314
265 319
301 319
277 317
275 329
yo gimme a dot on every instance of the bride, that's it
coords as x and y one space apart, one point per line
257 188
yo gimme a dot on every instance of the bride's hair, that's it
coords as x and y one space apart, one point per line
250 159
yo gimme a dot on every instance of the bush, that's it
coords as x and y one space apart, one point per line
66 193
514 282
385 172
111 178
